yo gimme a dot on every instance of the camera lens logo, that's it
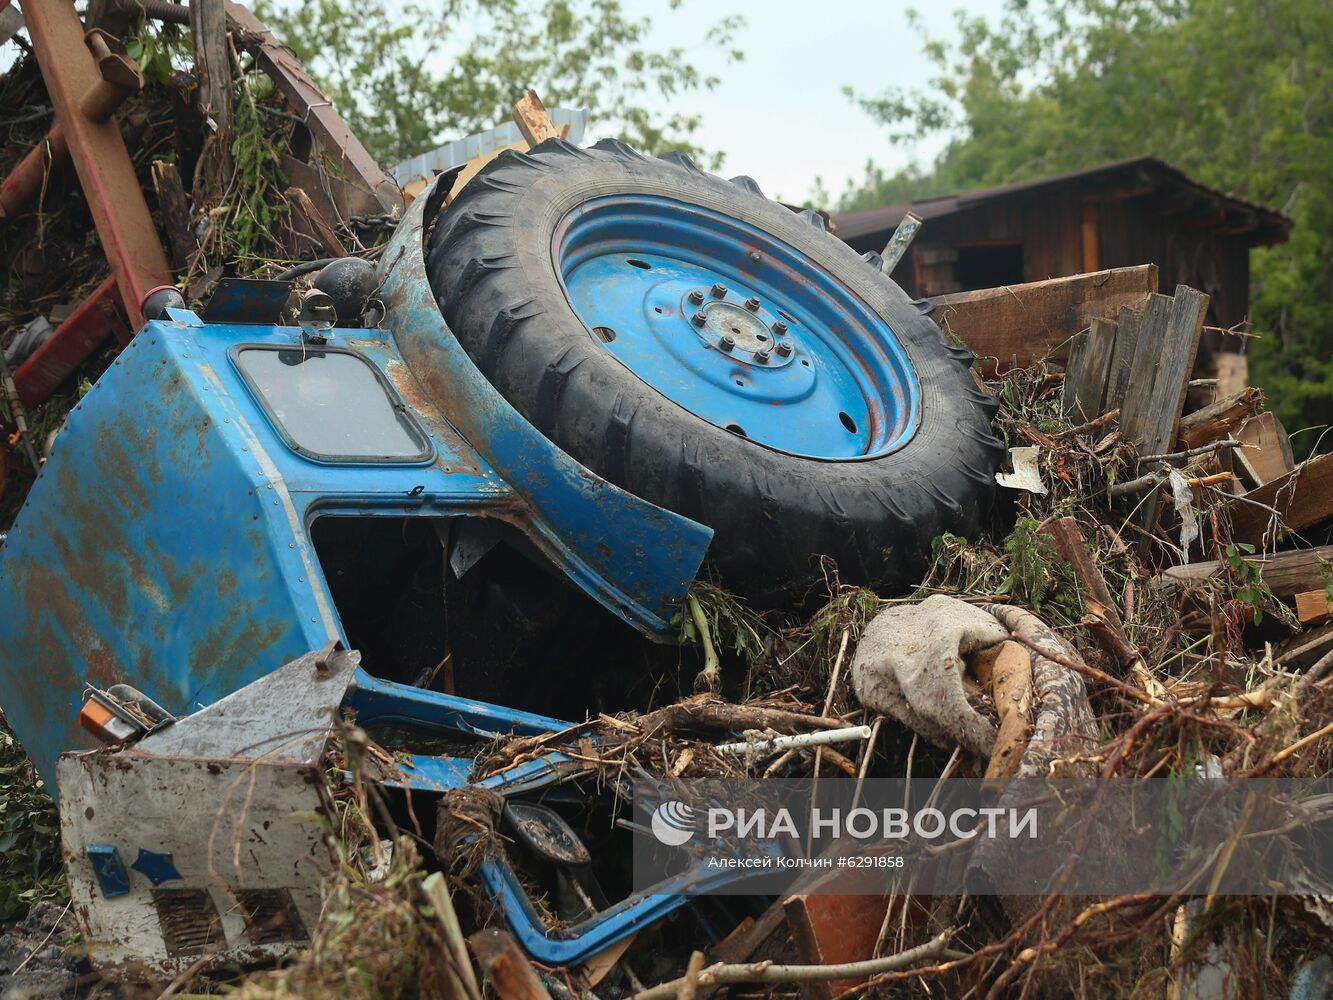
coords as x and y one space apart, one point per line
673 823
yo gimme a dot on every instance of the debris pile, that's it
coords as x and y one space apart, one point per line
1154 596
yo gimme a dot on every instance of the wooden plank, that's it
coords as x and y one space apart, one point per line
1302 498
307 221
1304 650
532 120
1267 452
212 61
1018 324
1216 420
1086 373
1122 356
342 200
510 973
175 212
1158 379
831 930
1314 607
1286 573
473 167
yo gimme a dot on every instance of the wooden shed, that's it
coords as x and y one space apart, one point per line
1139 211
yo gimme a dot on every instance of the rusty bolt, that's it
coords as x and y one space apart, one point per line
752 304
727 342
762 355
697 297
698 319
719 290
784 349
780 327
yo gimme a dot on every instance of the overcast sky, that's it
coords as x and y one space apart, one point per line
780 115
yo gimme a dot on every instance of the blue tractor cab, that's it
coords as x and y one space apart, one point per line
235 494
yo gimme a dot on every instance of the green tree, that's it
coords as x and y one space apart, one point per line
410 78
1238 93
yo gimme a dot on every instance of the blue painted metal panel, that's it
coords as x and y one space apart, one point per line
632 556
737 327
155 549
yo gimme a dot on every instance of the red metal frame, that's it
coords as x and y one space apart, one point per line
128 234
28 175
71 342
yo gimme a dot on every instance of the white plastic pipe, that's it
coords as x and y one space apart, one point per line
779 743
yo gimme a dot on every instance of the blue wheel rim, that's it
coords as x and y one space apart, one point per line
737 327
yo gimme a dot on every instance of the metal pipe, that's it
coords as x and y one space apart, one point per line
779 743
31 172
899 242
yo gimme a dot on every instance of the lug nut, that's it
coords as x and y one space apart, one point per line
752 304
762 355
696 297
727 342
719 290
784 349
698 319
780 327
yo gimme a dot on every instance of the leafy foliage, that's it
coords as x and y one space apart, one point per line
29 833
1239 95
408 77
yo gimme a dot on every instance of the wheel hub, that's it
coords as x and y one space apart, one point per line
750 335
736 326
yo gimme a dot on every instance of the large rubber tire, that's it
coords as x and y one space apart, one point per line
774 514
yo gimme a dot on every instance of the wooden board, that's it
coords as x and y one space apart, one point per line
1314 607
1302 651
473 167
506 968
1267 452
1086 373
1217 419
1158 378
1303 498
1286 573
532 120
1018 324
1122 356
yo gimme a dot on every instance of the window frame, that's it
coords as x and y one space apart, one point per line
423 457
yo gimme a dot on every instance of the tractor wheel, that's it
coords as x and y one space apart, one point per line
721 356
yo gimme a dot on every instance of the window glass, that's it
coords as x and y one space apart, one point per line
331 404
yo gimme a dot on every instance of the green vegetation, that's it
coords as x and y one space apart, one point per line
1237 94
30 867
407 78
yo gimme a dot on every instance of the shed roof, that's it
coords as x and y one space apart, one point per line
1253 223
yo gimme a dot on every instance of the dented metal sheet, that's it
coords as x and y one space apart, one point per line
635 558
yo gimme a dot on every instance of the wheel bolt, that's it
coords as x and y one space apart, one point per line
697 297
784 349
727 342
719 290
698 319
780 327
752 304
762 355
